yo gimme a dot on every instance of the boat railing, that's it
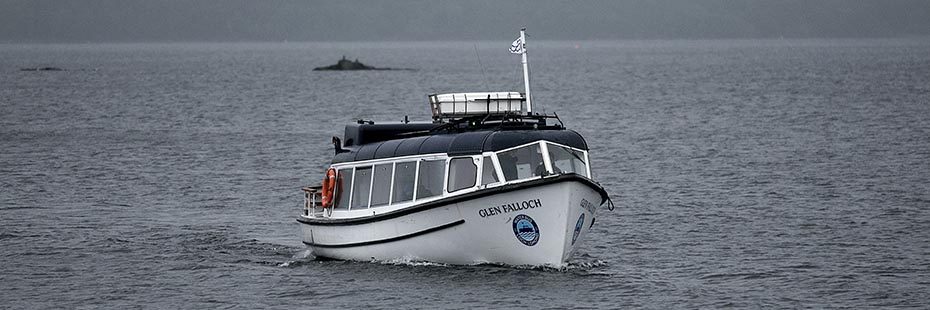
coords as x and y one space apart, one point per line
313 201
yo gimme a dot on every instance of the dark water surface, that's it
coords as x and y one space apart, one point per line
747 173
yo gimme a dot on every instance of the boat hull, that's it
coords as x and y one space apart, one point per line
541 223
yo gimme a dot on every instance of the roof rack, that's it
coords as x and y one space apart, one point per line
451 106
508 121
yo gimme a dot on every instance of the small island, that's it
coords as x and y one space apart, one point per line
345 65
42 69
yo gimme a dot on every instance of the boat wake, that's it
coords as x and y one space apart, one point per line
570 267
298 258
305 257
410 262
580 266
585 266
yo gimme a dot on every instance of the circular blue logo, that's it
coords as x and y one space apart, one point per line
526 230
578 226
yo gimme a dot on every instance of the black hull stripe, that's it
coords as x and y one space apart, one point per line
454 199
392 239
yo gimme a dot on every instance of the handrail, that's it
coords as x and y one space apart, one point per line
313 201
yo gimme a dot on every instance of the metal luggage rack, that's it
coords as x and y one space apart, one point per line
464 105
508 121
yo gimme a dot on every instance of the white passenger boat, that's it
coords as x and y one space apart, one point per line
487 181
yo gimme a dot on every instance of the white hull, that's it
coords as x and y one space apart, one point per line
470 230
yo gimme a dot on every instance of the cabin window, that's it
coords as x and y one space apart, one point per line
404 175
488 174
361 188
565 160
381 185
462 173
430 178
343 183
521 163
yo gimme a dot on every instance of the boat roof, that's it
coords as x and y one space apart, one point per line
366 140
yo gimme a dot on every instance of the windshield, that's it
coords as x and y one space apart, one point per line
521 163
566 160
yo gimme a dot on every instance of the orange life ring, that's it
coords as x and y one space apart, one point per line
329 184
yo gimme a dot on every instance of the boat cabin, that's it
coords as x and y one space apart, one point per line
385 167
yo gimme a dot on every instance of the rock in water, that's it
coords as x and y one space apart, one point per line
345 64
42 69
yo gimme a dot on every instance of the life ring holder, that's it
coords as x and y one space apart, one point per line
329 186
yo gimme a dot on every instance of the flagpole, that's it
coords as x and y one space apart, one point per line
526 72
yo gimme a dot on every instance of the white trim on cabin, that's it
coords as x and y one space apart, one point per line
391 191
371 184
477 159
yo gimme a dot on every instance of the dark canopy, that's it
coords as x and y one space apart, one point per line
465 143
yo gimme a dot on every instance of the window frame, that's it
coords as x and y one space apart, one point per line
391 191
497 170
585 158
349 193
370 184
445 176
474 162
371 189
416 165
350 168
547 162
542 149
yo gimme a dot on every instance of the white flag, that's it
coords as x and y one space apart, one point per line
517 47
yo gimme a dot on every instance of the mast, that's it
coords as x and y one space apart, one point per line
526 72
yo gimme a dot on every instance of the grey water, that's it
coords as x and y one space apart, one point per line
746 173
